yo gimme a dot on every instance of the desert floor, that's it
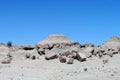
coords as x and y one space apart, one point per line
41 69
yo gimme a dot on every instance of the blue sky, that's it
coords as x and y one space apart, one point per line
84 21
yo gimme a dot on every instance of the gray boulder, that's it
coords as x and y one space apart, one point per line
81 57
52 54
62 59
6 60
70 60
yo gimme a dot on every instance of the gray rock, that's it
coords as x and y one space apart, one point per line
62 59
41 51
112 52
6 60
105 61
70 61
33 57
52 54
81 57
27 56
67 53
89 49
99 52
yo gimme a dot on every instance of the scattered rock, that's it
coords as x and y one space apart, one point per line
27 56
33 57
85 69
105 61
112 74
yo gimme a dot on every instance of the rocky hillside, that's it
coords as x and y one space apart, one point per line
59 58
60 47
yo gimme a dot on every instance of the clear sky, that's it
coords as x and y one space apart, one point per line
84 21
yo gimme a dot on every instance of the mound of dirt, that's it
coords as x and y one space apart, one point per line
113 42
56 38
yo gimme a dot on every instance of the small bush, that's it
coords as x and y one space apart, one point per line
9 44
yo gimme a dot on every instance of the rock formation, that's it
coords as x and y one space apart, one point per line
62 48
56 38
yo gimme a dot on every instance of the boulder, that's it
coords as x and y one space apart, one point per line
66 53
62 59
41 51
33 57
100 51
105 61
81 57
74 48
6 60
27 56
52 54
70 60
89 49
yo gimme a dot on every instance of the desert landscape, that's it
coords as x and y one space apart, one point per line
59 58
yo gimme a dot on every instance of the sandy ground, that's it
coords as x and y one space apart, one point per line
41 69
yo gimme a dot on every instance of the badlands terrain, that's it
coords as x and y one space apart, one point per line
59 58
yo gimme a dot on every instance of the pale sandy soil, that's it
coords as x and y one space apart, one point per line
40 69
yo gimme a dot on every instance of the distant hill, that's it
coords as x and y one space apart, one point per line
113 42
56 38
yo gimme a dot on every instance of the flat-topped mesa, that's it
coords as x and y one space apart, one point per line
54 39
